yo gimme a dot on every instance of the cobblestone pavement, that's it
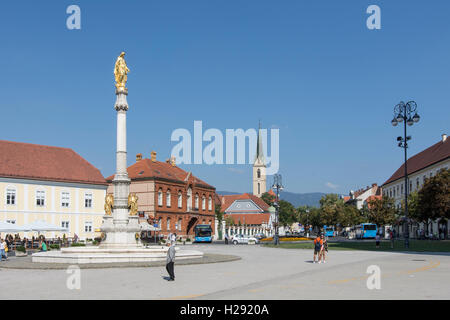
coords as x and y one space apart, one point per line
261 273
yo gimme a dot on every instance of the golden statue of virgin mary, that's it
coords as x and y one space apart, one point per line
120 71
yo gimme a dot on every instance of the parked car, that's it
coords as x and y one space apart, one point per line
260 236
240 238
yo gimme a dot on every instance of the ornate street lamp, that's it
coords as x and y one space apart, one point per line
403 112
278 186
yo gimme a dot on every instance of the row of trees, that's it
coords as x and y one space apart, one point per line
431 202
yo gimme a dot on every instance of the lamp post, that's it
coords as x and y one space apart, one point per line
277 185
404 112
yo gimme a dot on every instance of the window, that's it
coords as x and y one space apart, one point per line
65 199
180 199
196 201
410 186
259 188
88 200
11 221
424 178
65 224
398 191
160 198
159 222
209 203
209 222
88 226
179 225
189 199
259 173
11 196
401 187
168 198
417 183
40 198
394 192
203 202
168 224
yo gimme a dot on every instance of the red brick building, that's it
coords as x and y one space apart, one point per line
175 198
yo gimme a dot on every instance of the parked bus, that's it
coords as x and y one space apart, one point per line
329 231
203 233
366 231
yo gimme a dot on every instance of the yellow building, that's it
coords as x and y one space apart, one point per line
52 184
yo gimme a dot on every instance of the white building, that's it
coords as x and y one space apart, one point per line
421 166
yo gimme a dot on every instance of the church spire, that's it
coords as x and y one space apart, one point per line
259 148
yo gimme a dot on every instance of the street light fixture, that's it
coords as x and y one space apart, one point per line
403 112
278 186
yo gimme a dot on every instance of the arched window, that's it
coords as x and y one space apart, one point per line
204 221
180 199
203 202
179 224
196 201
168 224
168 200
189 199
160 197
210 203
259 173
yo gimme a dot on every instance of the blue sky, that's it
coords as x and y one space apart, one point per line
310 68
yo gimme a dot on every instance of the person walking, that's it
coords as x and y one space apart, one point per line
377 240
324 249
391 237
170 260
318 243
3 250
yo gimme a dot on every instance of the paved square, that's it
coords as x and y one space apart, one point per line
262 273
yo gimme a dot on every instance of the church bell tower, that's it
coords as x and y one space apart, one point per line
259 168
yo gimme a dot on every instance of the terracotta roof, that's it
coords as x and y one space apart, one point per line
257 219
227 201
436 153
38 162
148 169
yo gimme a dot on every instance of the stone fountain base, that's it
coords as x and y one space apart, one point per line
84 255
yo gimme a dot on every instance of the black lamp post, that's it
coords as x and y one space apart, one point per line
404 112
277 185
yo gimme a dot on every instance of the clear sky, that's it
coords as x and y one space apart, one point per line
310 68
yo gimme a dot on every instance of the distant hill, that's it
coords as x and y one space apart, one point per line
297 199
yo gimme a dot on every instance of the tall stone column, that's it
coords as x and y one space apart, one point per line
120 227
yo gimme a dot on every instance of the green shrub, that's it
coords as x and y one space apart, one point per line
55 246
78 244
21 249
188 239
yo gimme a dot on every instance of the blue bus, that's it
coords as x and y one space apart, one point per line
203 233
366 231
329 231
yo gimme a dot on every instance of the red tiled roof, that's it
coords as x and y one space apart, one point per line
38 162
227 201
436 153
257 218
148 169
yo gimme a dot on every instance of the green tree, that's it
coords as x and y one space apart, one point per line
229 221
268 198
433 198
349 216
287 213
219 216
331 207
381 211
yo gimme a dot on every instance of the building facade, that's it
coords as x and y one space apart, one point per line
173 198
421 166
52 184
249 215
361 198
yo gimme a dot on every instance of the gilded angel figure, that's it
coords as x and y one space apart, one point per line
120 71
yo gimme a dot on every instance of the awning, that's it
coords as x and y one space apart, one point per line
11 227
42 226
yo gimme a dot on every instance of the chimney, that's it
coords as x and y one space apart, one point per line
173 161
444 137
153 156
223 200
138 157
